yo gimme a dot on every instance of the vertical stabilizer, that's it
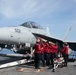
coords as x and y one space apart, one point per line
47 30
66 35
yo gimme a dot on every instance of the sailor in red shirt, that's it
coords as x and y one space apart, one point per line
42 53
53 52
47 53
64 52
39 53
55 48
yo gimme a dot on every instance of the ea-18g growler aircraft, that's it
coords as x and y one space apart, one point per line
22 38
17 37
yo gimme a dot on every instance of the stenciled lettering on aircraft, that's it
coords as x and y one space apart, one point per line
17 30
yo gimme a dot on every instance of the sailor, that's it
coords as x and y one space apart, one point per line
42 53
64 52
53 52
38 50
47 53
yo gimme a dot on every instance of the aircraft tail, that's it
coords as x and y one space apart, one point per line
47 30
65 36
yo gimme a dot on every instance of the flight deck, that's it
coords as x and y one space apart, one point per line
29 70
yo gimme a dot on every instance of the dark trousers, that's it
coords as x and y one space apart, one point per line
47 58
53 55
39 57
65 56
42 59
37 60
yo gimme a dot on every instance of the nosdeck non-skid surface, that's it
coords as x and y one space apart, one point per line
29 69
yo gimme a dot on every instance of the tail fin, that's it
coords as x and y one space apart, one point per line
65 36
47 30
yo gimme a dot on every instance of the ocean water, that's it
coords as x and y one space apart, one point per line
6 51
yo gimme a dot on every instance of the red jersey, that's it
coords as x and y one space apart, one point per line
38 48
54 49
43 45
47 48
64 50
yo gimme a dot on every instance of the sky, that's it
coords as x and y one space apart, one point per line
57 15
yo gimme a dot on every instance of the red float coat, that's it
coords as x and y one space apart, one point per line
47 48
38 48
43 45
54 49
64 50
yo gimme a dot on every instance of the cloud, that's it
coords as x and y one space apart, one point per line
74 0
24 8
56 12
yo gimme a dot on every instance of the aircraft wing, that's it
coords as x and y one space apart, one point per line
48 38
72 45
60 42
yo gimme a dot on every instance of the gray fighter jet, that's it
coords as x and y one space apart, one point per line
25 35
22 38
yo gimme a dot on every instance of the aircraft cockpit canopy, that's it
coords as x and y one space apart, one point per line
30 24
